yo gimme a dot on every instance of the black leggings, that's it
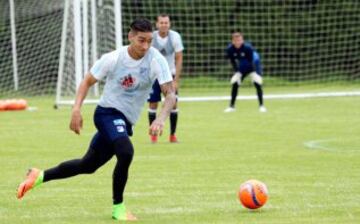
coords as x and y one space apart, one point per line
96 156
234 93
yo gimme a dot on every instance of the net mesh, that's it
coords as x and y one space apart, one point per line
104 40
38 28
300 41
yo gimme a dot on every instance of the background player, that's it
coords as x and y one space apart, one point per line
169 43
130 72
245 61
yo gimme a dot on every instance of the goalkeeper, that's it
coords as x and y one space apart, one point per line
245 61
130 72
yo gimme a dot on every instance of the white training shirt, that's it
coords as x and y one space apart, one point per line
168 46
129 81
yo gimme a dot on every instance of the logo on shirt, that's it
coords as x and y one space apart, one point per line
242 54
143 71
127 82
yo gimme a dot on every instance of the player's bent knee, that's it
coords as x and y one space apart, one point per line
124 148
256 78
88 167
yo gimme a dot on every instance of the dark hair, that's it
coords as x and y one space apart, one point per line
162 15
237 34
141 25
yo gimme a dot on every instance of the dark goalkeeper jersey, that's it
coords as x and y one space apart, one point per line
241 58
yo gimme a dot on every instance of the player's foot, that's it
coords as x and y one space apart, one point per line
262 109
173 139
120 213
229 110
34 177
153 138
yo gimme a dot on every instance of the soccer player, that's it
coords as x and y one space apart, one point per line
130 72
169 43
245 61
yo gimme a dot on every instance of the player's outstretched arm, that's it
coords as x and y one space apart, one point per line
178 66
157 126
76 118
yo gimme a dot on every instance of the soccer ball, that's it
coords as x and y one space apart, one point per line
253 194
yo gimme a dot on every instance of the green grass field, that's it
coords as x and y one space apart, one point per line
306 151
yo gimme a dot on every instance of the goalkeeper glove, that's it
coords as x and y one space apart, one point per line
236 78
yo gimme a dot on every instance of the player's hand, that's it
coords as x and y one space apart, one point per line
236 78
76 122
156 128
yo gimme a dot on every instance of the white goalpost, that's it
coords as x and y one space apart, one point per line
47 46
13 44
84 24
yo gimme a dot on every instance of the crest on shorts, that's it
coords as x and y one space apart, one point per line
119 122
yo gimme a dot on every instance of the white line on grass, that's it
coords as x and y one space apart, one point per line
273 96
319 145
219 98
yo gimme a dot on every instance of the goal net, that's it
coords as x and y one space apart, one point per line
89 30
29 46
301 43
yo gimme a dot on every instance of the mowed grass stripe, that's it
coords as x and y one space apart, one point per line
196 180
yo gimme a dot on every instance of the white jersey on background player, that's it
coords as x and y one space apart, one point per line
169 44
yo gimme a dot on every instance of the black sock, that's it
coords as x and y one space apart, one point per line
151 115
259 93
173 121
234 92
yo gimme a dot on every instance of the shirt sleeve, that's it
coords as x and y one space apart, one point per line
160 69
228 52
229 55
177 42
102 66
249 54
256 56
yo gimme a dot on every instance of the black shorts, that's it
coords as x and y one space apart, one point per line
111 124
155 95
